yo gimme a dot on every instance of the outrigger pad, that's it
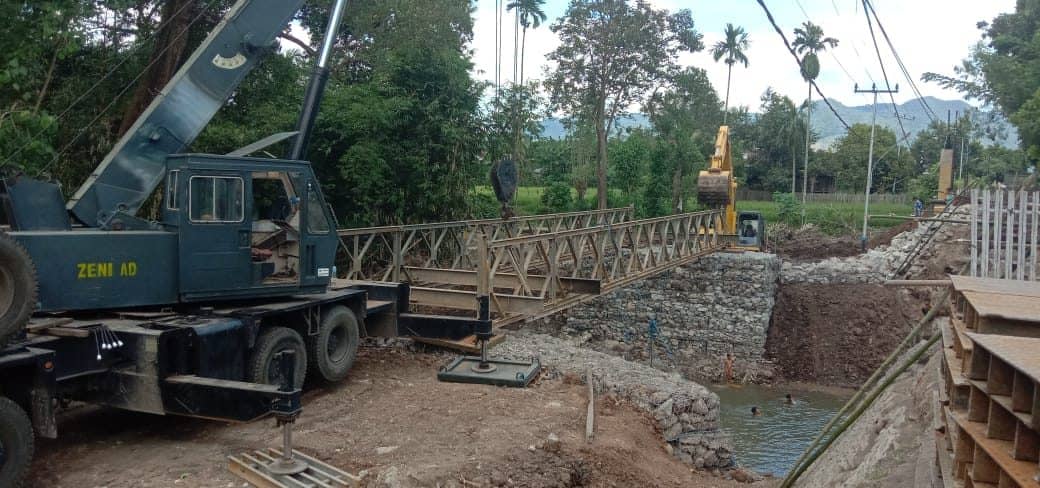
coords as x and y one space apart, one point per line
464 369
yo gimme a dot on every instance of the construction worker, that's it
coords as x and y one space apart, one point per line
918 207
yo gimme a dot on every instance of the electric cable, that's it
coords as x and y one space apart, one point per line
83 96
123 91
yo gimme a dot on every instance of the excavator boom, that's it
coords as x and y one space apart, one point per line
717 186
136 165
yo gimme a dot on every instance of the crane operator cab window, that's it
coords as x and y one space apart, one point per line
275 236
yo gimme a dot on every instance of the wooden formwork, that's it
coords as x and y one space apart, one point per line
990 420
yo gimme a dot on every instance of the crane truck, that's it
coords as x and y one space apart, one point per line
219 309
717 188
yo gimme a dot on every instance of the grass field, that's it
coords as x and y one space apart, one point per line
835 218
831 217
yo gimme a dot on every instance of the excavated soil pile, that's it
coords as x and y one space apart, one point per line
808 243
835 334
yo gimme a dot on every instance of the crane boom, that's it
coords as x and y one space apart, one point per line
136 165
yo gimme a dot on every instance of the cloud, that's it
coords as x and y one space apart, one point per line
930 35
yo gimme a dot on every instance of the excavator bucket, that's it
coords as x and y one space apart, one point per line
713 188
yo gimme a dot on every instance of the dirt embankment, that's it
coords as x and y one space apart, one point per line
836 334
393 420
808 243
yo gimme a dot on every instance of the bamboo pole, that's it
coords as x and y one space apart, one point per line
873 378
793 476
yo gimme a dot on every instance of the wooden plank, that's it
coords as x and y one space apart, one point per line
984 256
1019 352
1022 237
466 344
45 323
993 285
999 451
590 414
1016 308
505 280
1035 235
974 232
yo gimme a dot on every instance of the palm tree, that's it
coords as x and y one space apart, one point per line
733 50
808 41
531 16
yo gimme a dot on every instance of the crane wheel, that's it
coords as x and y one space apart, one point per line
18 287
332 350
16 444
263 368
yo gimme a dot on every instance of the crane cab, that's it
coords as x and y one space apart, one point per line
248 226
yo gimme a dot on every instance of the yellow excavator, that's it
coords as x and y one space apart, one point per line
717 188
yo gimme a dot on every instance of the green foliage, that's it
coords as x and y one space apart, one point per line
833 218
482 204
789 209
557 198
611 54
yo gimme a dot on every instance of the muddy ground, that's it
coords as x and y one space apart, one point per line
836 334
392 421
809 244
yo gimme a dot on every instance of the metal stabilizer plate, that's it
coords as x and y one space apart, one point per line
464 369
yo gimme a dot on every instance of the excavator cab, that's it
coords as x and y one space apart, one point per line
751 231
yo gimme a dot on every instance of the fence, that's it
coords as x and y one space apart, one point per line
744 194
1004 234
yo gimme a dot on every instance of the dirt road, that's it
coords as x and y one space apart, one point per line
391 420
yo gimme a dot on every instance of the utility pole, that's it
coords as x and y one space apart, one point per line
870 157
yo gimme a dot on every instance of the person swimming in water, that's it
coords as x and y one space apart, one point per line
755 411
788 399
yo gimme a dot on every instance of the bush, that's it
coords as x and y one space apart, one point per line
789 210
483 205
557 198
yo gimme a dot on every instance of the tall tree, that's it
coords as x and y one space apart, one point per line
531 16
1003 71
808 41
686 117
732 48
612 54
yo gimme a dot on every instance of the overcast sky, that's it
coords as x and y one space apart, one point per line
929 35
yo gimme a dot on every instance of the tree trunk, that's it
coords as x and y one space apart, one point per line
601 159
171 42
677 196
808 134
725 112
516 41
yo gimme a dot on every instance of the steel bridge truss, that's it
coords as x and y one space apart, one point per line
530 267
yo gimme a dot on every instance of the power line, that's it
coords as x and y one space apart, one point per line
126 88
834 56
881 62
790 49
83 96
902 66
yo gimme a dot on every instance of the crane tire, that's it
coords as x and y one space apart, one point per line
16 444
18 288
332 350
263 368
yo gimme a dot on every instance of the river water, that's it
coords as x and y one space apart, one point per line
771 443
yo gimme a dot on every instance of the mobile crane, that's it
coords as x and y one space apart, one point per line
218 310
717 188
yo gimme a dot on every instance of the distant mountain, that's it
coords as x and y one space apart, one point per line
915 118
829 129
553 128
